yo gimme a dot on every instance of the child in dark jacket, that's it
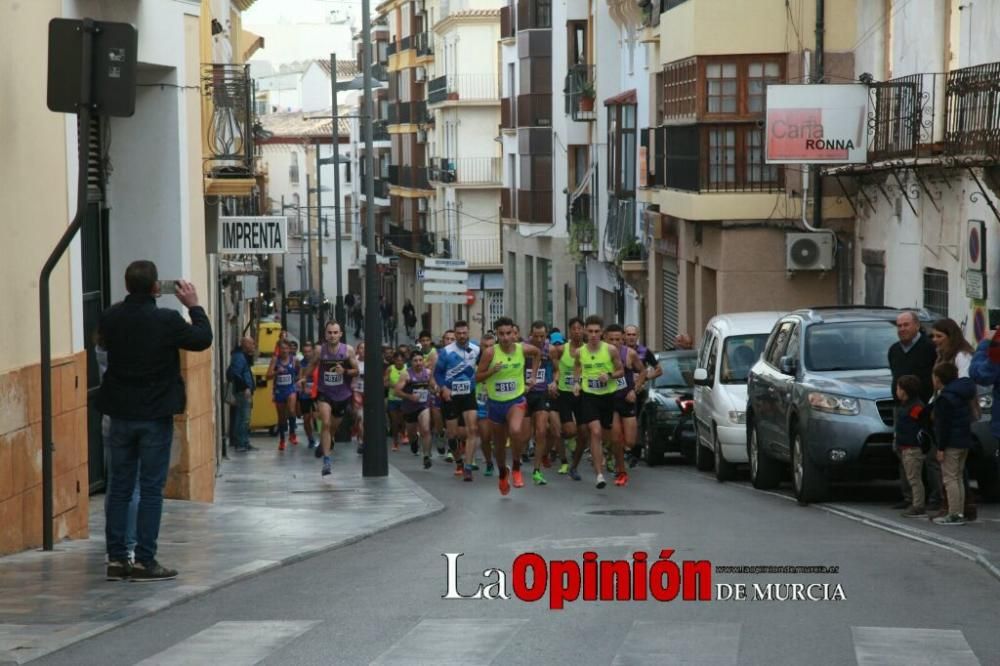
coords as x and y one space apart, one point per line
952 429
911 418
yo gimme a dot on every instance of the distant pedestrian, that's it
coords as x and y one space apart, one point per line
409 318
953 432
141 392
358 318
349 301
241 377
683 341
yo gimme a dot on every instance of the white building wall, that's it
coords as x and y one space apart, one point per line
315 89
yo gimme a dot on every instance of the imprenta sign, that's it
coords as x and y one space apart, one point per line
817 124
252 235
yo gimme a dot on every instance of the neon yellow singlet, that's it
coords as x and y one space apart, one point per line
394 375
594 365
566 365
508 384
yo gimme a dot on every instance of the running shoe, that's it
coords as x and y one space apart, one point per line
475 466
518 479
467 474
449 457
621 479
573 474
281 444
327 466
609 462
318 452
395 446
504 483
564 468
312 443
600 481
440 449
361 448
415 446
489 469
427 462
459 468
537 477
546 461
950 519
294 439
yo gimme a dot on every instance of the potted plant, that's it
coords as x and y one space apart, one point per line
587 95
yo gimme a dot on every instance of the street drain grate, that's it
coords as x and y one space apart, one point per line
624 512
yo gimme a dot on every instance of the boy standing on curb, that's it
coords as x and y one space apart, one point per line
910 418
952 429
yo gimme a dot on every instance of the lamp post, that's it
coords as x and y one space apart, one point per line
339 306
319 238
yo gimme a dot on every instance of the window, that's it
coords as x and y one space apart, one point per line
735 159
710 360
529 286
759 74
739 353
936 292
733 85
722 155
722 87
849 346
543 13
680 84
779 341
622 149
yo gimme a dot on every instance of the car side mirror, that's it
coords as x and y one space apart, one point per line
788 365
701 377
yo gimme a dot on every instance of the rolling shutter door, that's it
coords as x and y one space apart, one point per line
671 306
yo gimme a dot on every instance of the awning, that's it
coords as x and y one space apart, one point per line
627 97
250 43
494 280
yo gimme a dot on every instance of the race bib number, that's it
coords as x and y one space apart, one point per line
506 387
621 383
283 380
595 384
421 395
331 378
540 375
461 388
571 381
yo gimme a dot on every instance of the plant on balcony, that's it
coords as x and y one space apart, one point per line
587 95
581 238
631 251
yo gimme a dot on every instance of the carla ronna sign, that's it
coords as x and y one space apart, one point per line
817 124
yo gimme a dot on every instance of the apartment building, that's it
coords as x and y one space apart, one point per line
717 214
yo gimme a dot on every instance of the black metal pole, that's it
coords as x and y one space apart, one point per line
818 74
320 235
45 322
303 285
284 277
375 461
309 255
482 304
339 305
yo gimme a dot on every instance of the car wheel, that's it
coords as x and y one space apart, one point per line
810 482
765 472
724 470
702 456
652 454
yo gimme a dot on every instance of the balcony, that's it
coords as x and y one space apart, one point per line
463 88
506 206
534 206
581 227
480 171
415 242
534 110
424 44
973 111
229 120
534 14
437 90
481 252
579 92
906 119
414 177
391 48
404 113
380 72
619 232
380 131
381 188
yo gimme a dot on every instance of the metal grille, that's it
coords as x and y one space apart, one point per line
671 307
936 292
95 163
886 410
494 306
973 99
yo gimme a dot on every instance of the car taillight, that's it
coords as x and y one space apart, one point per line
686 406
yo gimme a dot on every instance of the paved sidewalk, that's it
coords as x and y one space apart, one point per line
270 509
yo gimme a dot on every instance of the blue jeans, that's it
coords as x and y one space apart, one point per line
239 435
138 448
133 505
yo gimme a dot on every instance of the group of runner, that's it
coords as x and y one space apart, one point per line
564 395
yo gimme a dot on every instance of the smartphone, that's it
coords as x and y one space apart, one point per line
168 287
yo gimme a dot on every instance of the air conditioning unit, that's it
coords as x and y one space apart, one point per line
809 251
421 136
420 74
422 205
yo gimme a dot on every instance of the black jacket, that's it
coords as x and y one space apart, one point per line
953 415
910 419
143 380
918 361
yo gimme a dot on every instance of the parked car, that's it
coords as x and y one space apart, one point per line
732 343
663 428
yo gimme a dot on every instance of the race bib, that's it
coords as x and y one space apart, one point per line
505 387
421 395
571 380
331 378
595 384
621 383
283 380
540 375
461 387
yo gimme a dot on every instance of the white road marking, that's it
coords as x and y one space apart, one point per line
427 643
231 644
892 646
702 643
641 540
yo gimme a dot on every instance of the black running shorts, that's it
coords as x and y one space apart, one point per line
597 408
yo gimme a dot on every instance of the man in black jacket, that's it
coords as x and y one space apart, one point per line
915 354
141 392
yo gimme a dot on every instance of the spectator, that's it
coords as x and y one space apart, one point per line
358 317
915 354
349 301
141 392
241 376
951 345
683 341
409 318
910 419
952 430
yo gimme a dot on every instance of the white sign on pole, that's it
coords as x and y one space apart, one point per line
421 275
975 285
253 235
449 287
817 124
460 264
458 276
446 299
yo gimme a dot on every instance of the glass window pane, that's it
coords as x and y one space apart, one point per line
755 69
729 70
729 105
714 87
731 136
713 104
755 86
729 87
772 69
713 71
756 103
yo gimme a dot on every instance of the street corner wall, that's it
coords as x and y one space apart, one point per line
192 459
21 454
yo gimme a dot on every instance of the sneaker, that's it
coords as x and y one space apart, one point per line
318 452
441 449
633 459
489 469
427 462
950 519
449 457
467 474
361 448
518 479
504 483
901 505
600 481
118 570
415 446
294 439
546 461
281 444
151 571
312 443
609 462
573 474
459 468
395 446
914 512
327 466
251 447
564 468
621 479
537 477
475 467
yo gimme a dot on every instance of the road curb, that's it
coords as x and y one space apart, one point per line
149 607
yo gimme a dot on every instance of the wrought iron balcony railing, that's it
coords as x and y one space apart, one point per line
579 92
423 42
906 117
418 242
467 170
229 130
380 131
973 104
620 231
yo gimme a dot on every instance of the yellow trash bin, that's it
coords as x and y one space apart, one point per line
268 334
263 414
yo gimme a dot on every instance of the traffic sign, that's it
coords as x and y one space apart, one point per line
444 275
421 275
450 287
470 297
460 264
446 299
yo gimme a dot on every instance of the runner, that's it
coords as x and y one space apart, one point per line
415 386
554 429
284 370
567 402
625 429
455 374
337 364
538 401
430 361
450 442
653 370
394 403
485 427
358 388
502 369
307 393
597 366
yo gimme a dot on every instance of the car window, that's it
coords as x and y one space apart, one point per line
861 345
739 353
710 362
778 342
678 372
794 342
706 344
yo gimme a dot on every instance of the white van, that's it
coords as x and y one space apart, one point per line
732 343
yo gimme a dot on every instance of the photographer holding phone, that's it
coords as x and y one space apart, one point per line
141 392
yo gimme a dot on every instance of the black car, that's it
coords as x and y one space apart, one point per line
662 426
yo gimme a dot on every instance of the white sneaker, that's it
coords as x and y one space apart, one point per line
600 481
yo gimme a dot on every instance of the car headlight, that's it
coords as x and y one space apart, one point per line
833 404
738 417
985 401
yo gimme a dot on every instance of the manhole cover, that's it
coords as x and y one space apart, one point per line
624 512
329 490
